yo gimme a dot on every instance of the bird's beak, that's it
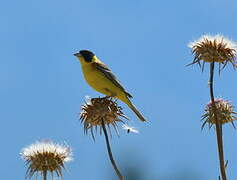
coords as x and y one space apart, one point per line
77 54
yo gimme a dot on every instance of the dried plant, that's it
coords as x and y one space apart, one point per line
45 157
225 112
101 110
99 113
215 49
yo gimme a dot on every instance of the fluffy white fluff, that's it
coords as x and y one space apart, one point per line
218 38
47 146
129 128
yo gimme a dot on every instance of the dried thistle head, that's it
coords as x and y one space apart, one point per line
214 49
101 110
225 113
45 157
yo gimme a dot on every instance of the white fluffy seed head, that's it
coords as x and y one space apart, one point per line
45 157
47 146
214 49
129 128
220 39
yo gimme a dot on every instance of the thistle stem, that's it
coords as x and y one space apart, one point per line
110 152
44 175
218 125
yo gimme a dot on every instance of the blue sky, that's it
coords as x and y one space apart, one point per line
145 44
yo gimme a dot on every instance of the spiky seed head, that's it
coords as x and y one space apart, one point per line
98 110
214 49
225 113
45 157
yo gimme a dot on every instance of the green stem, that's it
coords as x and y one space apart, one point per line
218 125
110 153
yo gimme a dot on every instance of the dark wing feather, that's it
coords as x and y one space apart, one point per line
109 74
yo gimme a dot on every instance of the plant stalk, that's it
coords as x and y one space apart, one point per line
44 175
110 152
218 125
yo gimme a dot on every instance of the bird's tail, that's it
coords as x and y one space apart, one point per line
134 109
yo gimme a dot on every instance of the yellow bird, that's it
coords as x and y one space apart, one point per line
101 78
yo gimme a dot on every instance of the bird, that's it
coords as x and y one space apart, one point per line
102 79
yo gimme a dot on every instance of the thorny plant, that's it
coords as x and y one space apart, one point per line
99 113
215 49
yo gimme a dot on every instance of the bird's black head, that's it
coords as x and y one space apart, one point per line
87 55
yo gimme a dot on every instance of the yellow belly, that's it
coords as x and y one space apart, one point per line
102 84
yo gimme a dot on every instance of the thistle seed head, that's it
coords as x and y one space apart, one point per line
129 129
225 113
45 157
214 49
98 110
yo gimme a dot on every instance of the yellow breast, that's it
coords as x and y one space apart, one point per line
98 81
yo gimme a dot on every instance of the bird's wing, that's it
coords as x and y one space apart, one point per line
109 74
